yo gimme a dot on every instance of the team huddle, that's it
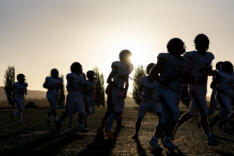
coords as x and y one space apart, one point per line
160 92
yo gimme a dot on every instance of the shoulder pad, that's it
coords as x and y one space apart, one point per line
115 65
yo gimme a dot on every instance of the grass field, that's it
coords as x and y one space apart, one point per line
35 138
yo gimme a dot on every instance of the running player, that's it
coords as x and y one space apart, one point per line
150 101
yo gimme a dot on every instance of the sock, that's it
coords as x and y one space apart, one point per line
110 122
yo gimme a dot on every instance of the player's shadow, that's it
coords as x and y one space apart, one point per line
21 132
48 144
140 149
222 138
222 153
176 152
100 146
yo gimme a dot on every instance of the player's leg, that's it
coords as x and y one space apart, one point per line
160 128
188 115
87 111
93 105
156 108
20 105
170 102
80 109
141 114
113 116
108 112
200 99
53 108
117 102
213 102
225 101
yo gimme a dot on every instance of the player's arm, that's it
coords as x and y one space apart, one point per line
111 75
216 80
154 73
26 90
45 84
13 92
114 69
126 88
210 70
61 86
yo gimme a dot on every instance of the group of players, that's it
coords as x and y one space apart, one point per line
160 91
80 98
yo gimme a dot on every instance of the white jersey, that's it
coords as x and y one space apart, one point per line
226 83
199 66
90 86
122 71
75 82
170 69
150 89
20 89
53 84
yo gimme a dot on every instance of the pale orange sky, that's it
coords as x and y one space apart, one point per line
37 35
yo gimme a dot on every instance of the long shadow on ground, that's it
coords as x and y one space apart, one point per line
36 147
100 146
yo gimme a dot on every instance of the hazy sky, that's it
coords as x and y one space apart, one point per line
37 35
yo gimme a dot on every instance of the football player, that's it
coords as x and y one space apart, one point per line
118 78
200 62
150 101
169 72
19 91
53 83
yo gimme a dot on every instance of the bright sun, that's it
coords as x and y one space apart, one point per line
138 47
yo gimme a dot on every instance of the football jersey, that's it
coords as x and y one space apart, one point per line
20 88
226 82
122 71
171 69
199 65
149 88
90 86
75 82
53 84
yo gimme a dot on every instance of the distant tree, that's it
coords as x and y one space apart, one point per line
139 73
62 93
100 91
9 79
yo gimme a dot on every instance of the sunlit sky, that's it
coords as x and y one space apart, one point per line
37 35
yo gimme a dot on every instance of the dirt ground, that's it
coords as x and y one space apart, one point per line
36 138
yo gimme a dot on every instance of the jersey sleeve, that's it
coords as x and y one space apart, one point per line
162 59
69 77
14 85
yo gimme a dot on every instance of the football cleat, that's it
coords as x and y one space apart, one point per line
154 143
110 135
167 143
